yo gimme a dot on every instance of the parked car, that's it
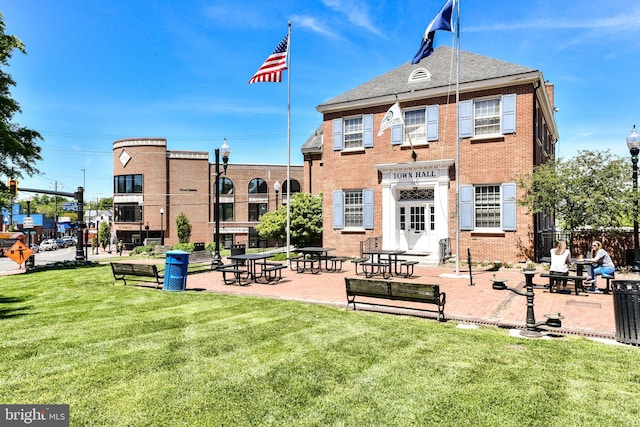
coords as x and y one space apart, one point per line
60 243
69 240
35 248
48 245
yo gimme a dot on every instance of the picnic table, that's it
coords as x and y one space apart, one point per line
311 259
387 263
257 267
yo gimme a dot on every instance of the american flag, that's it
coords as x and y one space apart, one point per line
271 70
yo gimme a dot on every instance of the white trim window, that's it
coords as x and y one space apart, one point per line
353 209
416 126
487 117
487 206
353 132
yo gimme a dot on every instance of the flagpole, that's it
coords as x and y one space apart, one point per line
289 139
457 139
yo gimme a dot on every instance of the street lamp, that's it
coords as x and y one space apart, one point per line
30 262
226 151
161 227
633 142
276 188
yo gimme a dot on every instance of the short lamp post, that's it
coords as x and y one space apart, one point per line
226 151
276 188
633 142
29 264
161 226
531 331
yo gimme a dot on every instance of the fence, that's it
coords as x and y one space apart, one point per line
618 243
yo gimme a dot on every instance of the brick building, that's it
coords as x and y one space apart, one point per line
401 186
153 185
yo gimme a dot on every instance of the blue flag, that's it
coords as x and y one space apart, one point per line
442 21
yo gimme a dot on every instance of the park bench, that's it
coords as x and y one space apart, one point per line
385 289
123 270
202 257
555 279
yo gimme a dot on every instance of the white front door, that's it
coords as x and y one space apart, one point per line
416 224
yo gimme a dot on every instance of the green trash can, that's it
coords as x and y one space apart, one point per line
626 310
175 271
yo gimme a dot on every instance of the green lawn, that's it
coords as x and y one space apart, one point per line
131 356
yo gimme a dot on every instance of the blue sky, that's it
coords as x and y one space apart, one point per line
99 71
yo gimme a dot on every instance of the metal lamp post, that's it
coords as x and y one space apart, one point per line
226 151
161 227
633 142
276 188
29 264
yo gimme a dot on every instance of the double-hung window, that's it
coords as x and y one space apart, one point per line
488 207
353 132
415 123
487 117
353 209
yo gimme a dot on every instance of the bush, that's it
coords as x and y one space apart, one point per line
138 250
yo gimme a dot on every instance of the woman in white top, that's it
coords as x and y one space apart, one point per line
560 260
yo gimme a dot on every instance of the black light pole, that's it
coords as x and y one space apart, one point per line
633 142
226 151
161 227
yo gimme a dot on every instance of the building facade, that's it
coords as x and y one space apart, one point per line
153 186
411 184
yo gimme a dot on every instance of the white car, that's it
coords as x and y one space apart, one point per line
48 245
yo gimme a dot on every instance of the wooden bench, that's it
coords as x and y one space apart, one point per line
385 289
370 269
239 272
554 279
123 270
202 257
358 261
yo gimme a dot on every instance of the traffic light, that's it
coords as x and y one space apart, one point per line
13 187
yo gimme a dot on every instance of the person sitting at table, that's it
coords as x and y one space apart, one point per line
560 261
601 263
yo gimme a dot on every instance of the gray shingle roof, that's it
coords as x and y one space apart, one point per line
314 143
441 65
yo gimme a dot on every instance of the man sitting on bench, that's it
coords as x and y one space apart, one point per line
560 262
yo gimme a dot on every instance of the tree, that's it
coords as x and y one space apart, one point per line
305 219
592 189
183 228
104 234
18 148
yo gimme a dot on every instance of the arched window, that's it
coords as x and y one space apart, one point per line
295 186
257 186
226 186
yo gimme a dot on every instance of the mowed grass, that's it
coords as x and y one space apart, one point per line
133 356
